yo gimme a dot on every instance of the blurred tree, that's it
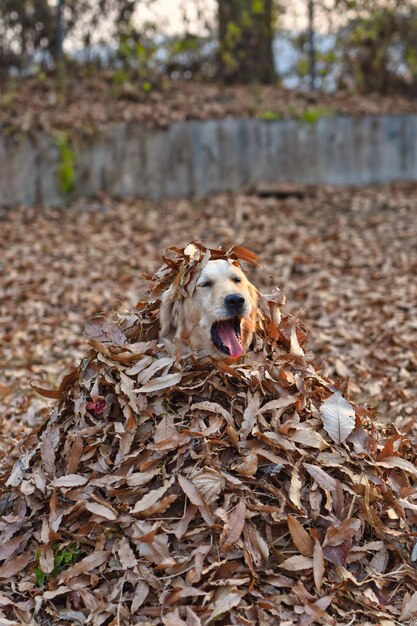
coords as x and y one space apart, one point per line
36 29
378 46
245 41
311 44
25 26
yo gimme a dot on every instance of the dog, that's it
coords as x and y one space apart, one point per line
218 317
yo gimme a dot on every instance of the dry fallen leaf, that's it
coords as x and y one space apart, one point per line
70 480
235 525
300 536
338 417
297 563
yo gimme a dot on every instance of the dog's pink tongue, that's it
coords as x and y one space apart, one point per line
228 336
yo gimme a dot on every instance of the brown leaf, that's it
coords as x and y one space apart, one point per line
318 565
297 563
152 497
224 600
309 438
295 488
126 555
213 407
235 525
249 416
409 608
88 563
243 254
279 403
50 440
209 483
192 618
8 548
16 565
173 619
57 394
339 533
322 478
104 330
196 498
300 536
141 593
398 462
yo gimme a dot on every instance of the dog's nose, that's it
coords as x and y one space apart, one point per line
234 302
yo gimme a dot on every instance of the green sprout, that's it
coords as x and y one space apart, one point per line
312 115
270 116
64 556
66 169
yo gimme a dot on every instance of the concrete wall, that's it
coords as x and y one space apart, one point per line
200 158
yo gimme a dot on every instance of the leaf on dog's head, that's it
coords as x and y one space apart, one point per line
243 254
192 252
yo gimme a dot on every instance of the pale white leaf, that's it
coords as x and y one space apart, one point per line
294 345
209 483
126 555
162 382
151 497
101 510
338 417
279 403
379 561
192 251
224 600
409 608
297 563
398 462
70 480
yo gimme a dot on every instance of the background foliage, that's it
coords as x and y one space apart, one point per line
364 45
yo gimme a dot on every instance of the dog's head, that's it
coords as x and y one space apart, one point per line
218 317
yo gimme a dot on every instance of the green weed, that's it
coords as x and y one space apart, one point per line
312 115
66 169
270 116
64 556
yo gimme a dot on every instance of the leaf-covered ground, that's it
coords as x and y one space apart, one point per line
347 260
84 103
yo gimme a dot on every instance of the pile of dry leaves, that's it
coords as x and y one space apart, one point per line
178 491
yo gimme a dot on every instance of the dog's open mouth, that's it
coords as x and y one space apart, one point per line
225 334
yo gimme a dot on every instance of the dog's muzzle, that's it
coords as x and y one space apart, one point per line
234 303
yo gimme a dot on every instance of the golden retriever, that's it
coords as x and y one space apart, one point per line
218 318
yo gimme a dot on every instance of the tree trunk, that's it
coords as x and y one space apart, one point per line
245 41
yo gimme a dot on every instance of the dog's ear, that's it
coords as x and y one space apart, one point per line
166 313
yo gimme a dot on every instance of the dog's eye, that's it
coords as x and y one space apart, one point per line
236 279
207 283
